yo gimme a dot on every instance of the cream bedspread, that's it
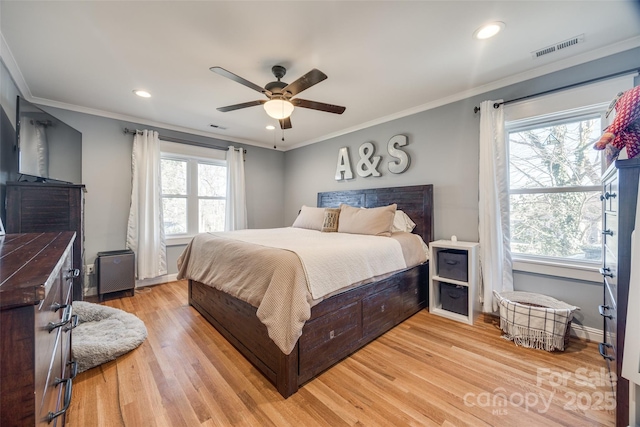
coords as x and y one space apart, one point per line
280 276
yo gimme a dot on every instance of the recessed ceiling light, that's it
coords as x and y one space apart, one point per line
142 93
488 30
271 127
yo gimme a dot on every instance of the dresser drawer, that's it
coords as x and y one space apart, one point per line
609 313
380 311
49 313
610 195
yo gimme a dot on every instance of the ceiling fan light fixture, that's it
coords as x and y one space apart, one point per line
278 108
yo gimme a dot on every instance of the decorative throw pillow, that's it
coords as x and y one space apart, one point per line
373 221
330 223
402 222
310 217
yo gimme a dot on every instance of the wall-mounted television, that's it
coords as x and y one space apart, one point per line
48 149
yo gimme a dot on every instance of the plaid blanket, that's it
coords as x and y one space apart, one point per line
542 327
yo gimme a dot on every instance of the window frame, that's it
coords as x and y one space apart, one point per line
596 111
556 106
193 155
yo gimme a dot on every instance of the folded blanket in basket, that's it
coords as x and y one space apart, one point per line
534 320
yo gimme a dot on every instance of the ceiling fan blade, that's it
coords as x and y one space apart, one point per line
285 123
239 106
329 108
305 82
236 78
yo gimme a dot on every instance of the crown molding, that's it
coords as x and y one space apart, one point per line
560 65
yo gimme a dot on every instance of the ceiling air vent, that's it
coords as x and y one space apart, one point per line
558 46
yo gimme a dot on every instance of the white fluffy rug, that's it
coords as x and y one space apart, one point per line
104 333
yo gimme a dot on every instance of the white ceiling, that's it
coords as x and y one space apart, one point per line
384 59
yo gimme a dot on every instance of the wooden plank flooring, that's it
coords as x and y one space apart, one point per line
428 371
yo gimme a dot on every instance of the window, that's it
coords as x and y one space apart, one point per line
194 185
554 180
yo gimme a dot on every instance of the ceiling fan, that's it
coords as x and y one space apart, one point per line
280 103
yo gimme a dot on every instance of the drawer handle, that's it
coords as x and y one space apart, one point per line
606 272
601 310
74 368
66 318
74 322
450 262
382 308
73 273
68 383
607 232
603 352
57 306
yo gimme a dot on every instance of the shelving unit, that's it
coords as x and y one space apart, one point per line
435 279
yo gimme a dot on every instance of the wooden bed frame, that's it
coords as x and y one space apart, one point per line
339 325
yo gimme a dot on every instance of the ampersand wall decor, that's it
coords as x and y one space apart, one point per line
368 163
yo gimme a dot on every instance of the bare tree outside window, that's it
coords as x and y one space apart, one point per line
193 195
554 177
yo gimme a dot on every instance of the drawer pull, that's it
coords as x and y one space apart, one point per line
450 262
603 352
74 323
608 232
606 272
67 400
601 310
57 306
74 368
66 318
73 273
382 308
332 335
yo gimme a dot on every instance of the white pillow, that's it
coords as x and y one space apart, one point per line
310 217
373 221
402 222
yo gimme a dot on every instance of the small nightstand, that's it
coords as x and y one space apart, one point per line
453 280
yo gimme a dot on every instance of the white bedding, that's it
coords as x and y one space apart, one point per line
352 257
261 268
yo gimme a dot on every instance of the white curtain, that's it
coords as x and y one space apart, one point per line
495 253
145 231
236 207
34 148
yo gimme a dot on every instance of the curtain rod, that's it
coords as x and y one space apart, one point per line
185 141
597 79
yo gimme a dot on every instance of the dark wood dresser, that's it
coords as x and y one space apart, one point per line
620 192
36 371
38 207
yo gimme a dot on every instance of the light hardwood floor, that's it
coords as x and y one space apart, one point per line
427 371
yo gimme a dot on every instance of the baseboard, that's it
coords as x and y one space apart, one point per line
587 333
157 280
91 290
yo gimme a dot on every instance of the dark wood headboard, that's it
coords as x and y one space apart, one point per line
416 201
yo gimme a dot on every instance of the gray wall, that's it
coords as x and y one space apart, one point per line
443 145
106 172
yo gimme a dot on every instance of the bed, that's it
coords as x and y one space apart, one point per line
340 324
